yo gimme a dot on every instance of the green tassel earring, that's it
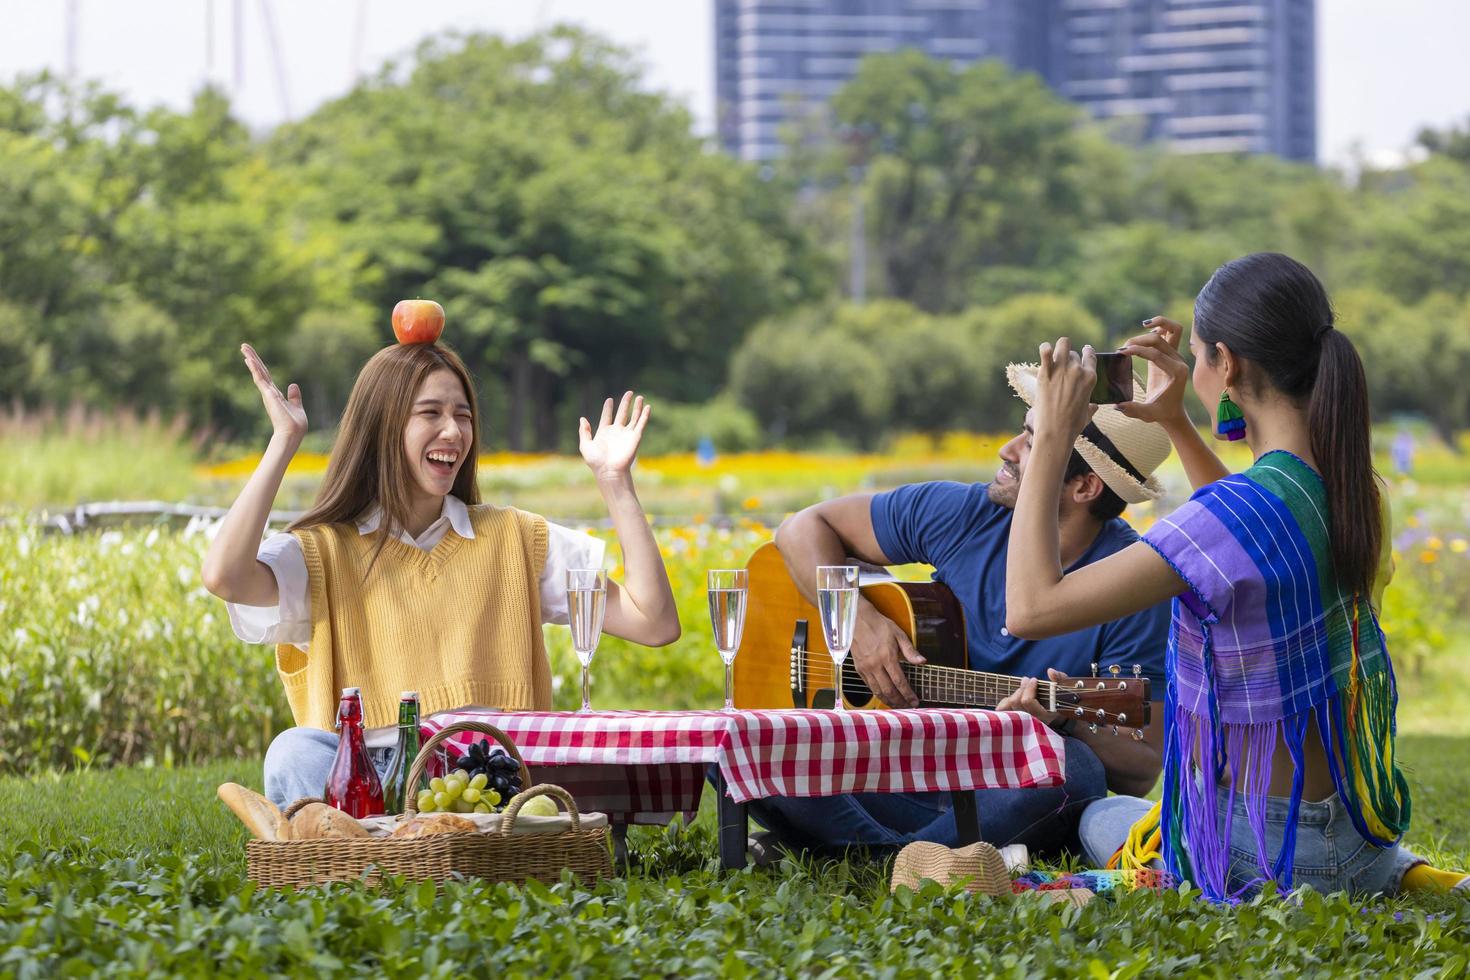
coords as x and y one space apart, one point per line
1231 423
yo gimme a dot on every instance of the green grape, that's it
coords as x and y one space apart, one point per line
480 781
482 808
436 784
426 800
461 775
460 806
443 801
491 796
471 795
454 788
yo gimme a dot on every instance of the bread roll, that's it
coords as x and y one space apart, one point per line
258 814
317 820
438 823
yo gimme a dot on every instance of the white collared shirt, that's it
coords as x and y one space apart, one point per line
290 620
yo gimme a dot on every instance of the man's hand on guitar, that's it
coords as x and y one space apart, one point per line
1025 698
878 643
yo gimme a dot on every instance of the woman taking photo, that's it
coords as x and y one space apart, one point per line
1280 698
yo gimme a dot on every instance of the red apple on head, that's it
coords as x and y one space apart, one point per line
417 321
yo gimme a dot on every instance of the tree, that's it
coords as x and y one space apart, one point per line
1012 333
580 237
1452 141
1129 272
804 376
970 169
1416 233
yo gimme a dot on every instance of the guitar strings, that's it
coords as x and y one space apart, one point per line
947 678
947 682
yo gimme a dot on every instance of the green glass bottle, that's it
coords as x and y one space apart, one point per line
396 792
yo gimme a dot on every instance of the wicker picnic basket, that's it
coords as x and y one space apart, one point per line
499 855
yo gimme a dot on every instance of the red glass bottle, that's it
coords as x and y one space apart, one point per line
353 785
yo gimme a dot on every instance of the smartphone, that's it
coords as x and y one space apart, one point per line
1114 379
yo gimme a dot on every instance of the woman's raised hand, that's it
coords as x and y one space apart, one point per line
287 416
1168 373
1064 383
611 451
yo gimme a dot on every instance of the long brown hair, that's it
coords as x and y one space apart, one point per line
368 465
1272 311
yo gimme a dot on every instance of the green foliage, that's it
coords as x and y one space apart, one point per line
584 240
57 461
152 883
1130 272
804 375
1416 355
1012 333
1420 232
136 251
580 237
858 371
969 169
113 653
679 428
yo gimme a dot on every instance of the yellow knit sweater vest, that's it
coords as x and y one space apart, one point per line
460 623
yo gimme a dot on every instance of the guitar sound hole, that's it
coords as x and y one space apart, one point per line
854 688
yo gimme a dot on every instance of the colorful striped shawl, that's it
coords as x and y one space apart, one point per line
1263 641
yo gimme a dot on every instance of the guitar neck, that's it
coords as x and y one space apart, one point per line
969 688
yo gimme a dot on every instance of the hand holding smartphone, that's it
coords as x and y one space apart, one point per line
1114 378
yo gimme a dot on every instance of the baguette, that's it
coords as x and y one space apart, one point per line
317 820
438 823
258 814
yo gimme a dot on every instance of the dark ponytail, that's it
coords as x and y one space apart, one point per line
1271 311
1343 447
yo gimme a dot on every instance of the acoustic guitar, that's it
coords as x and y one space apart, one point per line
783 659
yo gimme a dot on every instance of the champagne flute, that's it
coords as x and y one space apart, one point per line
837 600
728 588
586 602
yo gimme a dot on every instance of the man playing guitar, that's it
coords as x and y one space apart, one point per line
962 531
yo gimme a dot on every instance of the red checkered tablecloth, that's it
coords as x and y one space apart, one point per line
644 766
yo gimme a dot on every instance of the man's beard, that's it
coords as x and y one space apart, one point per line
1005 494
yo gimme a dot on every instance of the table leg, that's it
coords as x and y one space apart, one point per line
620 845
966 823
733 826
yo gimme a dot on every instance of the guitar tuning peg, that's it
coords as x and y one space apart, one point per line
1122 719
1114 670
1079 711
1101 715
1092 728
1094 670
1115 729
1137 671
1138 734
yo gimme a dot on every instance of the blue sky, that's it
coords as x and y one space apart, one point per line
1386 66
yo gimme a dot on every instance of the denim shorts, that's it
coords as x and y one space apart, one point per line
1331 855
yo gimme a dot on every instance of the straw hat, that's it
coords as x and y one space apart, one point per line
979 866
1139 447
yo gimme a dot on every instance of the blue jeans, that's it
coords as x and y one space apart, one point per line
1330 854
298 761
1045 820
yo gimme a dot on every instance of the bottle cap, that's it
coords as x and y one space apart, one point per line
351 692
409 696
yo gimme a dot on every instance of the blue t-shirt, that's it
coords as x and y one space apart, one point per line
958 529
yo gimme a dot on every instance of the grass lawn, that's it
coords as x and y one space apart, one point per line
141 871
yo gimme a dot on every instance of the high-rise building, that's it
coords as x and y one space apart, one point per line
1201 75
